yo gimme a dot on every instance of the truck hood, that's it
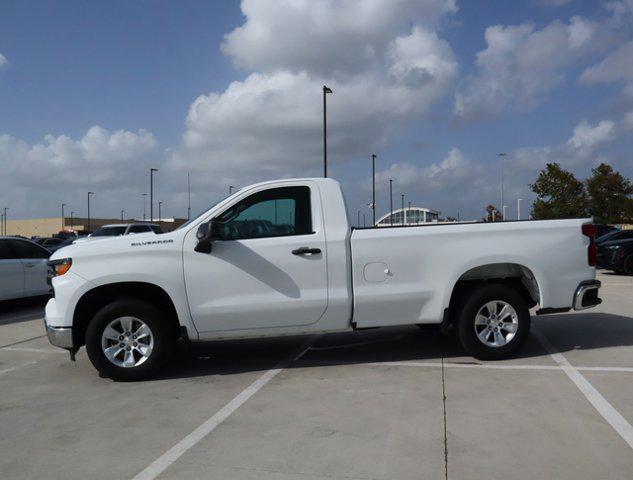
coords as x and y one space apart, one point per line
113 245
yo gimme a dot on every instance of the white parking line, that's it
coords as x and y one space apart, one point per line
34 350
604 408
17 367
493 366
174 453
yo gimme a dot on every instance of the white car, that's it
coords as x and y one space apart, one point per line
118 229
280 258
23 268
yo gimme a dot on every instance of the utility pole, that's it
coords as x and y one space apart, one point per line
188 197
326 90
402 205
390 201
144 202
519 208
373 188
151 193
63 205
89 193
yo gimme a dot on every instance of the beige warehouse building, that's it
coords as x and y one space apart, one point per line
47 227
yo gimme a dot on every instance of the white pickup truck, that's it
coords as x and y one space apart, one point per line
280 258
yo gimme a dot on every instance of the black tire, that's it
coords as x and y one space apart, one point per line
628 265
471 306
163 339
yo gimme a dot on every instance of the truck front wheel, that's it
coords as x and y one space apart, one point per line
129 339
494 322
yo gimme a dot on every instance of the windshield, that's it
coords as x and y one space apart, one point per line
609 236
109 232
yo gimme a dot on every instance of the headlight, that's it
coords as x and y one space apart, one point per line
60 267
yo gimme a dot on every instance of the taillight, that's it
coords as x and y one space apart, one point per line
590 230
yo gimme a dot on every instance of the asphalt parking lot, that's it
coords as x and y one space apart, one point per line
397 403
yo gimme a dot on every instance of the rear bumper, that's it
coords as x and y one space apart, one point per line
586 295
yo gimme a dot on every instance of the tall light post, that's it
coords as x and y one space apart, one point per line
373 189
144 209
151 193
160 204
326 90
501 155
503 212
390 201
72 215
122 212
89 226
63 225
1 223
402 206
5 220
188 197
519 208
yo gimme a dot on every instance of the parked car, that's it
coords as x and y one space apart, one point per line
602 229
617 255
23 268
116 230
49 243
615 235
280 258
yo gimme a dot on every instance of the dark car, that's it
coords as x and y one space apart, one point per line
50 243
616 255
602 229
615 235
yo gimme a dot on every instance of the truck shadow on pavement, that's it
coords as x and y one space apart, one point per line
575 331
22 310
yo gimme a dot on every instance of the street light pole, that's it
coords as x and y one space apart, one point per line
402 205
160 204
519 208
63 205
501 155
188 198
390 201
5 220
503 214
373 189
89 193
122 212
144 202
151 193
326 90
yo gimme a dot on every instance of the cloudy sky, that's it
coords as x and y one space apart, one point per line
93 94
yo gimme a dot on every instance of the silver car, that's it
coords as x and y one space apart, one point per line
23 268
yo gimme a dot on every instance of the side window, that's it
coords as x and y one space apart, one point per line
28 250
156 229
271 213
139 229
5 252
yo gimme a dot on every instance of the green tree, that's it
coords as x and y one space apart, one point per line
609 195
559 194
492 214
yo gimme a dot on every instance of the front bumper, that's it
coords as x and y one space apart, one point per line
586 295
60 336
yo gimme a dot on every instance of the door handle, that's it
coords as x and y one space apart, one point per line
306 251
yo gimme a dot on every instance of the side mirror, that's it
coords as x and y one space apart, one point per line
206 234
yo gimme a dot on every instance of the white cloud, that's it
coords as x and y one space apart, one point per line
66 168
521 64
386 65
587 137
3 61
617 66
326 36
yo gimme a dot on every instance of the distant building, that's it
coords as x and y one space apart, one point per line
47 227
412 216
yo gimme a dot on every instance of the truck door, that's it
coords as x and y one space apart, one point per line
33 258
267 270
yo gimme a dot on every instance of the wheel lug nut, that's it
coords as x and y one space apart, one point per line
135 344
128 349
120 337
134 337
122 345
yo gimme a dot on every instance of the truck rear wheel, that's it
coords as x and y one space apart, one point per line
494 322
129 340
